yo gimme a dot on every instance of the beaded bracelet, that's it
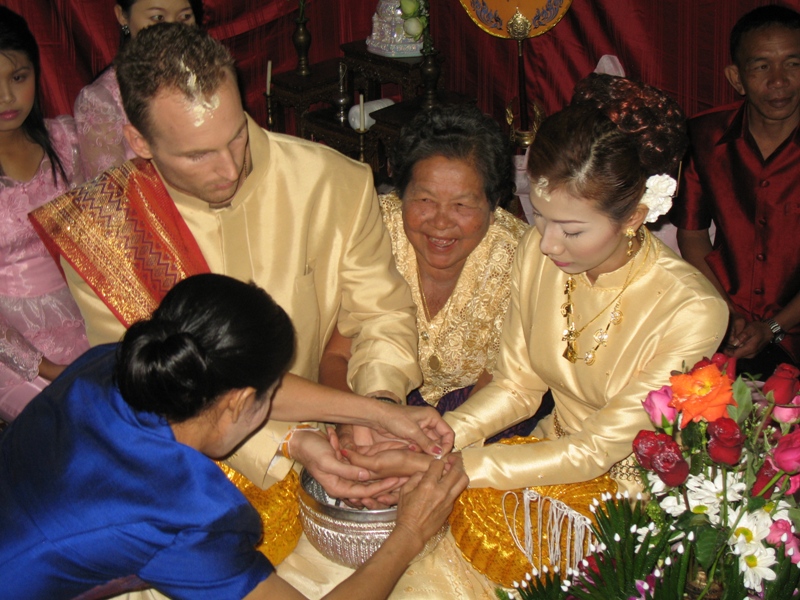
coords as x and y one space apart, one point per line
284 447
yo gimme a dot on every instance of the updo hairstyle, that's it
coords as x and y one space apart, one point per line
603 146
211 334
459 132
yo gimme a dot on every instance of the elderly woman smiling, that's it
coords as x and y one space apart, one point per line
453 244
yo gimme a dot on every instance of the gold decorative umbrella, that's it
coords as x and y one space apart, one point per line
518 21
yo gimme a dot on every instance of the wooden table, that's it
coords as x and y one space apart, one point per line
375 70
323 126
298 92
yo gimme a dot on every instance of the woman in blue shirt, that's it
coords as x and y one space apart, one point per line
105 480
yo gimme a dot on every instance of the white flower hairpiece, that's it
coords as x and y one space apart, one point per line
657 196
540 188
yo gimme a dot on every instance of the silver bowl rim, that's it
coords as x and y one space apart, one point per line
342 513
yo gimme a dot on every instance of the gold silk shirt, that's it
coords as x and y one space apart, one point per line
465 333
305 226
671 315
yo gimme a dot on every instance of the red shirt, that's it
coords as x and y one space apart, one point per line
755 204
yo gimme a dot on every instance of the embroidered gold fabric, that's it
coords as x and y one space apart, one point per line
279 510
480 523
672 314
465 333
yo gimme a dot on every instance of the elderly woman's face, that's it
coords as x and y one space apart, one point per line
445 212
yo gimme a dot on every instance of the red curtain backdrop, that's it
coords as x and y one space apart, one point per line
680 46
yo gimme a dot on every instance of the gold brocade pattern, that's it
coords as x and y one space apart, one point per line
478 523
279 510
466 331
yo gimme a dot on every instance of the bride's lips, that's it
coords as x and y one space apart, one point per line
9 115
560 264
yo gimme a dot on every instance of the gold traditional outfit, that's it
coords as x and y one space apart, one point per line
671 315
465 333
305 225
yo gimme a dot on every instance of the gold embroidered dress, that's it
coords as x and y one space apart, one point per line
465 333
671 315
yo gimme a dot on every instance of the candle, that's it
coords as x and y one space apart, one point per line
361 111
269 76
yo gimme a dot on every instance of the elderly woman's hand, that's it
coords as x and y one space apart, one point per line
426 500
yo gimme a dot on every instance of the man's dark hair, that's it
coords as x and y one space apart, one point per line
760 18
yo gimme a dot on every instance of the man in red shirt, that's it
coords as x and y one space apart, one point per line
743 174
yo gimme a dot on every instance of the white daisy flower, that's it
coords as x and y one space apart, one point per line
755 563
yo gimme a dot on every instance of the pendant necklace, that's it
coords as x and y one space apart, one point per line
434 362
600 336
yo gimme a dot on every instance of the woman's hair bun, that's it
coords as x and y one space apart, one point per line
653 120
211 334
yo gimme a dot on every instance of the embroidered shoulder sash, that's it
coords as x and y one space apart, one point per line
124 236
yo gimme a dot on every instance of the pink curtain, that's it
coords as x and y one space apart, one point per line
680 46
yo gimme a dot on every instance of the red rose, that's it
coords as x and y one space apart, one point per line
670 466
763 477
787 453
646 445
784 384
727 441
703 362
725 363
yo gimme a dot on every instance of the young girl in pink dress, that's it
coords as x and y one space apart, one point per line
41 329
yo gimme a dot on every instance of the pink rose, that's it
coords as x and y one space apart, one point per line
787 452
788 413
657 406
777 530
726 441
784 384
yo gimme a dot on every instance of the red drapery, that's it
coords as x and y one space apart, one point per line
677 45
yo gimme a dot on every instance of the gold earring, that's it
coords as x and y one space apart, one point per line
630 233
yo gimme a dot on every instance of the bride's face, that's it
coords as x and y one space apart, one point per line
577 236
144 13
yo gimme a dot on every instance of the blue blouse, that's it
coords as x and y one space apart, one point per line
96 497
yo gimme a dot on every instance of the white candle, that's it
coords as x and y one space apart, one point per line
361 111
269 76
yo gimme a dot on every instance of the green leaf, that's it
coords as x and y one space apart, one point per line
755 502
744 400
692 436
707 543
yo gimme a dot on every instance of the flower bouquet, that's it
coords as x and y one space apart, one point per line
719 519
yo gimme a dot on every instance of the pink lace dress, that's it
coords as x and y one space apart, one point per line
38 316
99 117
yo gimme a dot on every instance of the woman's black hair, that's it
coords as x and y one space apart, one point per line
211 334
460 132
15 36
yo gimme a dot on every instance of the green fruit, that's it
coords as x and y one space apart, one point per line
413 27
409 8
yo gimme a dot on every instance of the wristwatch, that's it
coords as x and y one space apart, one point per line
777 333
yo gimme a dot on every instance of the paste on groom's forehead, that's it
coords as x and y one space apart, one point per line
197 105
540 188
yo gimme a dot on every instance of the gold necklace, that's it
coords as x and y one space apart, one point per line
434 362
601 335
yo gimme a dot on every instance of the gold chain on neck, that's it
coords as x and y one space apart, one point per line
601 335
434 362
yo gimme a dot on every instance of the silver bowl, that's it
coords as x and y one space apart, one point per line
347 536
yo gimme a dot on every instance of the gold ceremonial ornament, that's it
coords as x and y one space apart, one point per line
500 17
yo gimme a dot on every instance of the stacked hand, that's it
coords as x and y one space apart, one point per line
369 466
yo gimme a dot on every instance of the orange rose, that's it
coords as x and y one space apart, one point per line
704 393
